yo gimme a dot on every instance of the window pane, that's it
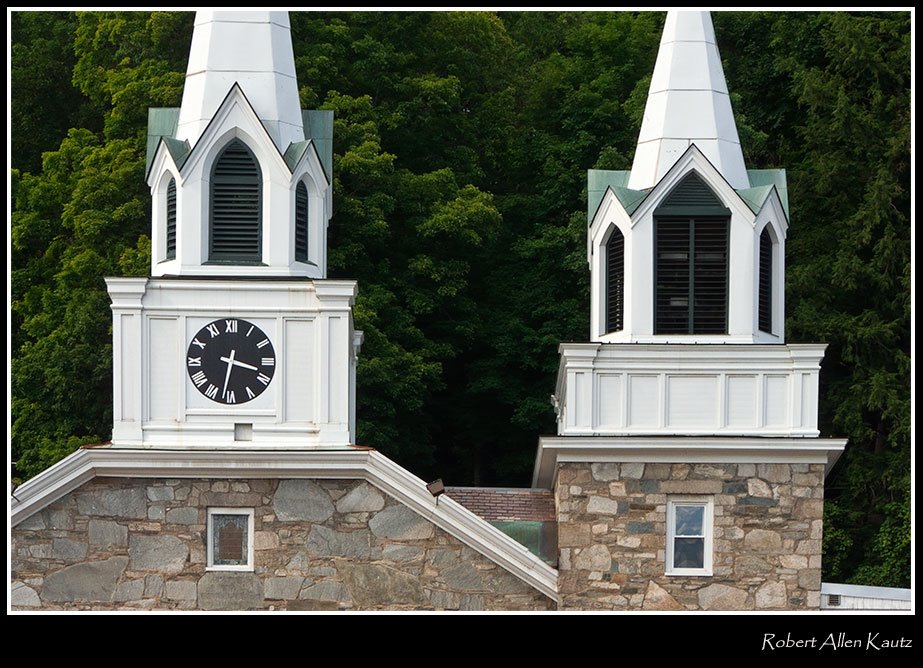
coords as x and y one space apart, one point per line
689 553
229 535
689 520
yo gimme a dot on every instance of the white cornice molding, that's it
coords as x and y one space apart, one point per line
553 450
341 463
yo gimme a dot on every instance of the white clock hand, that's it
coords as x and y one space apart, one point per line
238 363
227 376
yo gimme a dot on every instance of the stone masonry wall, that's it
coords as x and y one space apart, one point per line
612 536
119 543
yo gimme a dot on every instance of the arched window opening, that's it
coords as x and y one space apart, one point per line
301 222
171 220
765 287
235 231
615 281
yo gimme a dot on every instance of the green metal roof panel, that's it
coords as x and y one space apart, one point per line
295 152
755 197
318 127
771 177
179 150
161 122
600 180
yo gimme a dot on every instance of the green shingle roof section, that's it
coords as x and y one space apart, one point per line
600 180
755 197
769 177
179 150
294 153
318 127
161 122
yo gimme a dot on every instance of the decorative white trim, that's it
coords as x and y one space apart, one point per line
210 564
864 591
349 463
553 450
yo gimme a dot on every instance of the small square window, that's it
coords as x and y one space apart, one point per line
230 539
689 536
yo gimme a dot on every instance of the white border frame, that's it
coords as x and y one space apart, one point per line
210 565
708 503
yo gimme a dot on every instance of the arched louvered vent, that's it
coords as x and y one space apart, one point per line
171 220
692 191
692 275
236 211
301 222
615 281
765 289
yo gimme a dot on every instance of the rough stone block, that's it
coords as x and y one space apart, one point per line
747 566
574 535
746 470
160 493
691 486
594 558
129 503
106 533
757 487
601 505
372 585
34 523
66 549
229 591
463 577
442 600
93 581
808 509
808 547
153 586
771 595
640 527
809 579
328 590
61 518
774 472
363 498
722 597
285 588
401 552
763 539
265 540
632 470
181 590
604 471
399 522
735 487
23 596
156 513
302 500
324 542
130 590
658 598
164 554
657 471
183 515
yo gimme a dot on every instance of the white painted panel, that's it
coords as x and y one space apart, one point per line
692 401
610 400
339 370
299 370
643 401
776 401
131 354
809 401
584 406
741 401
165 368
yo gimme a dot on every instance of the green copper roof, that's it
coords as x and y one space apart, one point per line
161 122
767 177
600 180
318 127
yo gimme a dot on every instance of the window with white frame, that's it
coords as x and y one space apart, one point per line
230 539
689 536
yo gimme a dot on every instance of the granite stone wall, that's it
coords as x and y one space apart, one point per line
119 543
612 536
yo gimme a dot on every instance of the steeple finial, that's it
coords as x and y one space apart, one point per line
688 103
254 50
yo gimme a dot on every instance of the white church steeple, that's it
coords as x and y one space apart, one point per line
253 50
688 103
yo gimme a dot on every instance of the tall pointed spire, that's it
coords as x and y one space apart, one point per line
254 50
688 103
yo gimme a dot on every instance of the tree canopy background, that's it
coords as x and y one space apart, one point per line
461 144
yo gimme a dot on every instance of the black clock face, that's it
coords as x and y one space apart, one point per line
231 361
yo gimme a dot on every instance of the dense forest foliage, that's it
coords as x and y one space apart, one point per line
461 147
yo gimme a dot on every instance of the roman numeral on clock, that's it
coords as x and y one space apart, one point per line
194 361
199 379
263 378
213 330
196 342
211 391
268 361
230 398
230 326
261 344
250 393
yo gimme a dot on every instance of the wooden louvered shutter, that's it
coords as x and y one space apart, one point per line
691 260
765 288
171 220
236 211
301 222
615 281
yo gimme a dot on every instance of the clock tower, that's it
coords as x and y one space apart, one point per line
237 339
